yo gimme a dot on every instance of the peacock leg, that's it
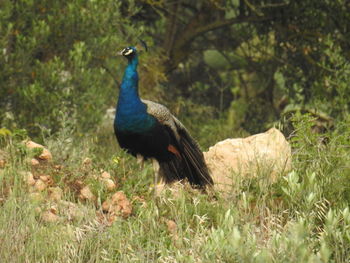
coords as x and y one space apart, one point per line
140 160
156 174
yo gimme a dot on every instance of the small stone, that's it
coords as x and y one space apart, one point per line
86 194
55 193
172 227
79 184
117 205
34 162
87 161
2 163
106 175
47 179
122 204
58 167
49 217
53 209
46 155
110 185
40 185
106 205
44 178
30 179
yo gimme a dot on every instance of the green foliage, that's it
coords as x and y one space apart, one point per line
54 59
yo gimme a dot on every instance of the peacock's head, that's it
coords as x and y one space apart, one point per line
128 52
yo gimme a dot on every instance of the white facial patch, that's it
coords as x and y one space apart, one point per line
128 52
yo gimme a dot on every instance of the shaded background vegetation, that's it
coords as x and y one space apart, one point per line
234 67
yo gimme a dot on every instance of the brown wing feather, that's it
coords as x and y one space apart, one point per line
191 165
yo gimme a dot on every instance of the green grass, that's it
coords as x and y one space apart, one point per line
302 217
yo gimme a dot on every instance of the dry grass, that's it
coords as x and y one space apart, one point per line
302 217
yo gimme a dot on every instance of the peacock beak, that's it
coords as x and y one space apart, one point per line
120 53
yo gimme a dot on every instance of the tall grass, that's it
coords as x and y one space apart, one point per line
302 217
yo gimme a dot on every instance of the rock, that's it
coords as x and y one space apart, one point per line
2 163
86 194
30 179
110 185
266 153
45 155
117 205
40 185
3 158
58 167
172 227
50 216
55 193
34 162
87 162
106 175
47 179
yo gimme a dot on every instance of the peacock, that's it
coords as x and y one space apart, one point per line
148 130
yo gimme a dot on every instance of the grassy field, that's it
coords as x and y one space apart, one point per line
302 217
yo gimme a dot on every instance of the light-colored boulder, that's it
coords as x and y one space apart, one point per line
265 154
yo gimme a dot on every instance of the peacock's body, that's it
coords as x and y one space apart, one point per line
148 129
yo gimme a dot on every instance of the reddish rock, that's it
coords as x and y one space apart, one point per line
117 205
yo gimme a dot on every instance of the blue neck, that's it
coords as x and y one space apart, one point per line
129 87
131 113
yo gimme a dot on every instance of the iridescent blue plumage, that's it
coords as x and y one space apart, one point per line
148 129
131 114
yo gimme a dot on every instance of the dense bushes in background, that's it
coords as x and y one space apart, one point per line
244 65
53 61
